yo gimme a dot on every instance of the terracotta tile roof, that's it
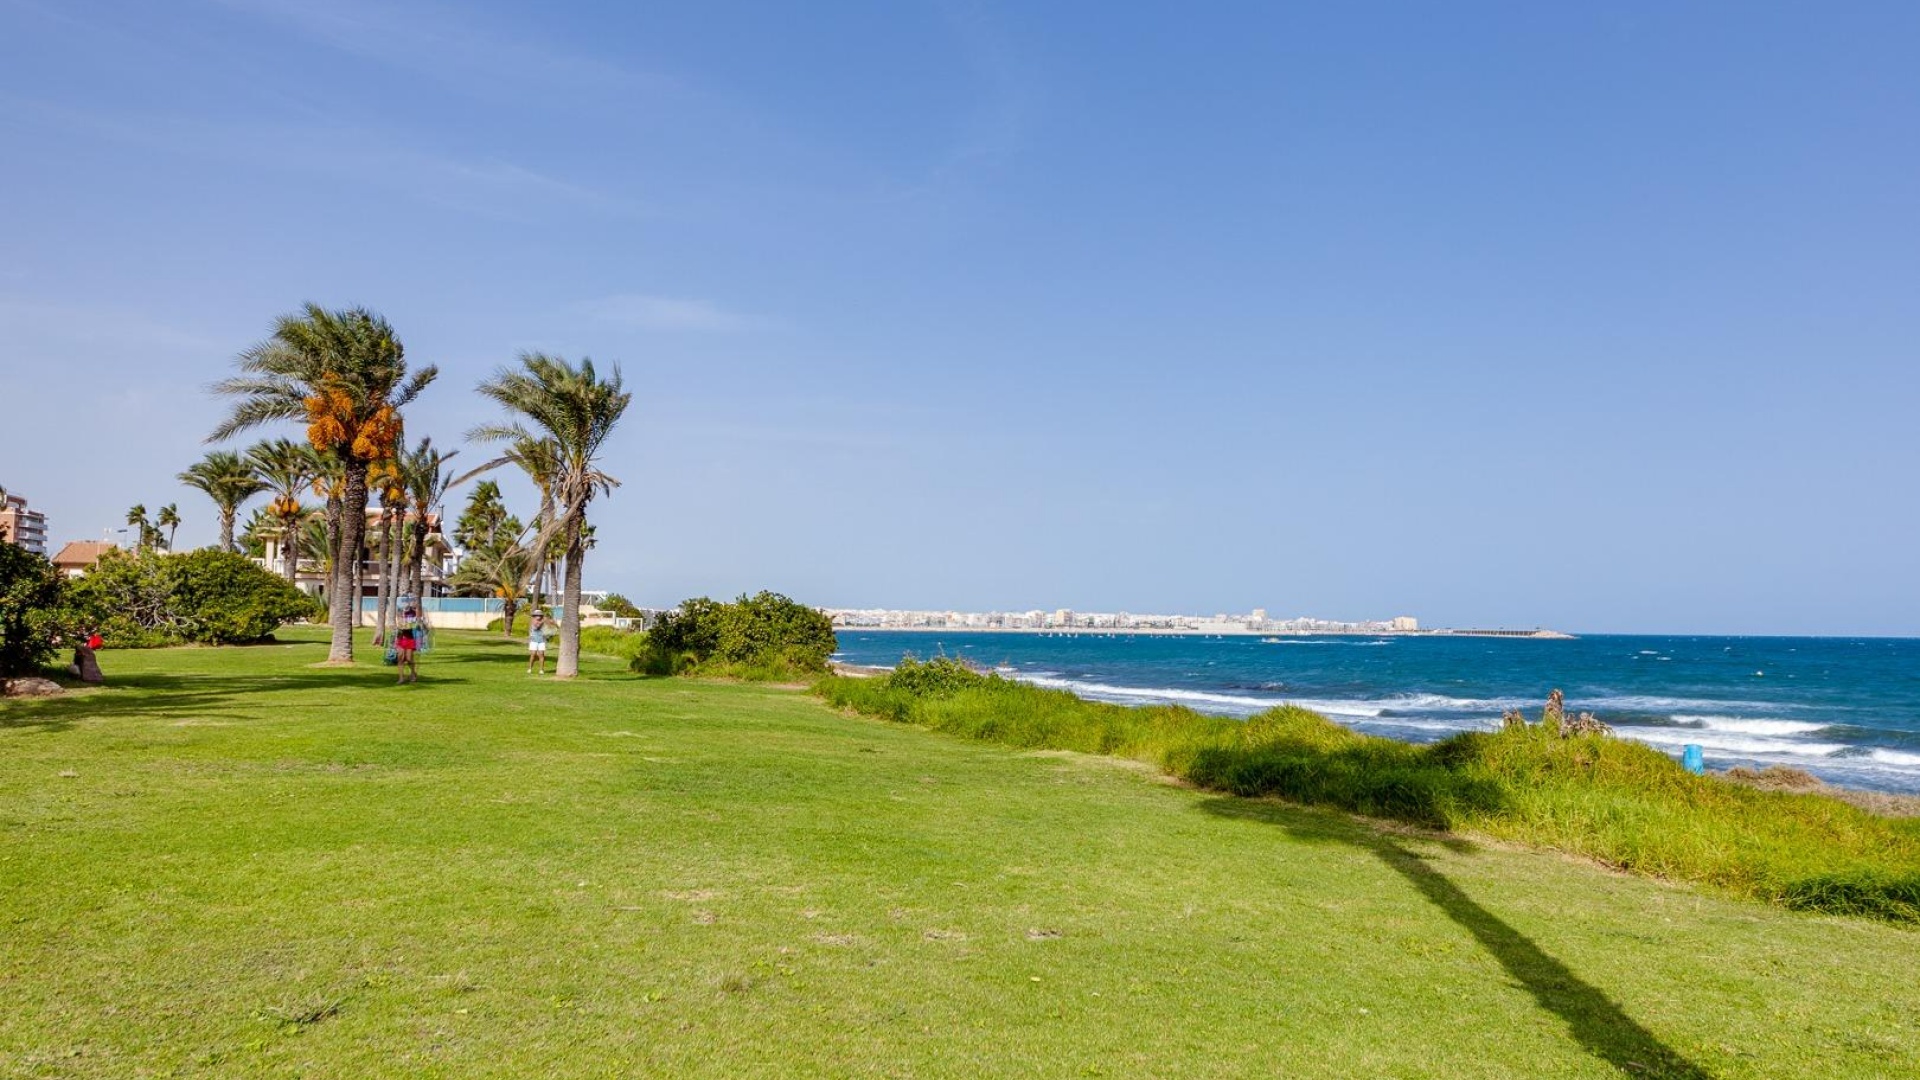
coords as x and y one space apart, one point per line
79 553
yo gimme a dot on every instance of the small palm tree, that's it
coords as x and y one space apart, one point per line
288 469
498 571
577 411
345 374
539 458
389 483
251 540
428 481
169 519
142 528
314 541
229 480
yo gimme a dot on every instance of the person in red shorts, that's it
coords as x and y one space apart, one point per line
407 644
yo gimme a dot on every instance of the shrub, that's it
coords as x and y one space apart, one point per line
766 636
226 598
127 598
619 607
31 591
938 677
520 622
206 597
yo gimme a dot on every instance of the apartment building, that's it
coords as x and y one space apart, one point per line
23 526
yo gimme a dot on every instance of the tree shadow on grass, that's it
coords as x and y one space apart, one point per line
163 694
1596 1021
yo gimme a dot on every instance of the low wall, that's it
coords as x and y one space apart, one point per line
475 612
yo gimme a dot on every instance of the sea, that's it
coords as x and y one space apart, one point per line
1845 709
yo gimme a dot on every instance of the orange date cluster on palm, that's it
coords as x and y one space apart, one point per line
334 420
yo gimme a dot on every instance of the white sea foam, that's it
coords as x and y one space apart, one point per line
1241 703
1750 725
1669 705
1730 742
1108 692
1401 723
1365 710
1895 757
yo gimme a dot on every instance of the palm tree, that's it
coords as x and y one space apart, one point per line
169 519
428 482
329 485
226 478
315 542
142 528
287 468
345 373
500 570
389 481
577 410
251 540
484 520
539 458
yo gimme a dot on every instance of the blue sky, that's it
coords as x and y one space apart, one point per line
1509 314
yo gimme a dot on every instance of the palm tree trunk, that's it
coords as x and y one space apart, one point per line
569 664
416 565
383 595
397 572
509 607
346 563
289 549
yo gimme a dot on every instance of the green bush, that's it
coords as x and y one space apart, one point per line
1619 802
204 597
762 637
227 599
619 607
941 676
520 623
31 591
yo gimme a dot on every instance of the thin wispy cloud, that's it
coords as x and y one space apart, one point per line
998 121
47 327
665 313
449 43
488 187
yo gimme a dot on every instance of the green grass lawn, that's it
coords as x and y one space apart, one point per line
232 863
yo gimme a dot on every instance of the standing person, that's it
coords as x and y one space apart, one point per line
537 634
407 643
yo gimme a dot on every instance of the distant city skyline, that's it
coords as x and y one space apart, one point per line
1255 621
1592 316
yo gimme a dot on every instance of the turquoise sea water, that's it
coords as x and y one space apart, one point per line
1847 710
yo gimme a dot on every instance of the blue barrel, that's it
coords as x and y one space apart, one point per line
1692 760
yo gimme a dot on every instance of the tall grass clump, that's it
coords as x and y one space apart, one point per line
612 641
1622 803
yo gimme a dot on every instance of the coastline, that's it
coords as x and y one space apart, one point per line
1779 778
1224 631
